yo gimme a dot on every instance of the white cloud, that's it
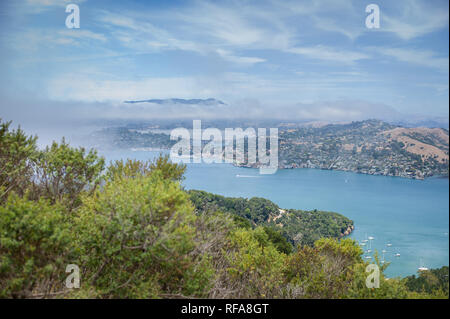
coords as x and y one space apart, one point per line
416 19
82 34
227 55
50 3
144 36
239 25
419 57
80 87
329 54
39 6
406 19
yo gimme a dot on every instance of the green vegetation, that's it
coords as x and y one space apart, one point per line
434 282
134 233
298 227
256 210
306 227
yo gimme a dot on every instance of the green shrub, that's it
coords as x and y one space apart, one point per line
140 231
35 247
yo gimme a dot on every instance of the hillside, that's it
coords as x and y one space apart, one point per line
299 227
370 147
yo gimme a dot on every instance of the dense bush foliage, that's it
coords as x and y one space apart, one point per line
135 233
34 247
434 282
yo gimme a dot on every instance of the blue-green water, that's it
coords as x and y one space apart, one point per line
411 215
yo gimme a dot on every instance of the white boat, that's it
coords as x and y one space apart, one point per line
365 240
368 257
397 255
388 245
370 245
371 238
422 267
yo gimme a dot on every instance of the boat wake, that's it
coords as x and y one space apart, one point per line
247 176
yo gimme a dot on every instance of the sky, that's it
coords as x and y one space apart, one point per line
312 59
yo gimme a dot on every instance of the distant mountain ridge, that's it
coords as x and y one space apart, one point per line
210 101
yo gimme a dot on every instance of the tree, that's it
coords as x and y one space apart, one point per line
64 172
17 156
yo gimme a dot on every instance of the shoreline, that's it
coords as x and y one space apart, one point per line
351 171
348 231
256 166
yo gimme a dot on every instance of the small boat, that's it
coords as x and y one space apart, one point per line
422 267
368 257
389 245
363 244
397 255
370 245
371 238
365 240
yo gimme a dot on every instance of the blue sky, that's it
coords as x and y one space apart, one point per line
317 56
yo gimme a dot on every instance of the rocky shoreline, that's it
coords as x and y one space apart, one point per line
348 231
